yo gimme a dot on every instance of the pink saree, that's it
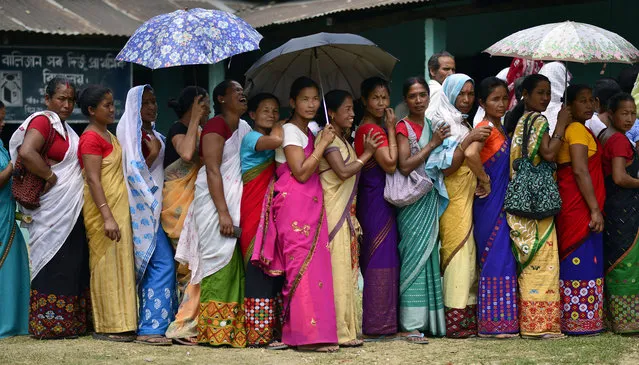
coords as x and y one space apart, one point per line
292 240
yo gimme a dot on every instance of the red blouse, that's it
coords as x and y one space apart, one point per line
59 147
92 143
362 131
617 145
218 126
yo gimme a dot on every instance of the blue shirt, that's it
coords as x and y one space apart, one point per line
633 133
249 156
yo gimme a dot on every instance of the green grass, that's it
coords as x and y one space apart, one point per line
604 349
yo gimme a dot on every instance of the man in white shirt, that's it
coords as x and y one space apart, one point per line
440 66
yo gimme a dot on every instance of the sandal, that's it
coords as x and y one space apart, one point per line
114 337
277 345
352 343
318 348
416 338
154 340
187 341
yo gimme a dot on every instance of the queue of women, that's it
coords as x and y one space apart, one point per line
270 225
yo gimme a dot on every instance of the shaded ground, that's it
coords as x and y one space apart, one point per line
607 349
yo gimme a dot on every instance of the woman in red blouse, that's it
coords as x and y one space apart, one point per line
57 239
107 220
621 225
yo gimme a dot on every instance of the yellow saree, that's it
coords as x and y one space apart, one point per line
177 196
343 228
537 253
113 295
458 254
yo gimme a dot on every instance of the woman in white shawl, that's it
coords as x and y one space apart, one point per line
57 239
556 73
208 242
458 254
143 158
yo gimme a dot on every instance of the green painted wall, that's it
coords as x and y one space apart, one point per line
468 36
406 42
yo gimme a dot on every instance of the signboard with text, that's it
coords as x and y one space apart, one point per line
24 73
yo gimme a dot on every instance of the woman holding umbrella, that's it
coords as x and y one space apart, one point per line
294 225
143 151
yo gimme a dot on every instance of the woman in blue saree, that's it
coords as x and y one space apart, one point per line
490 162
14 262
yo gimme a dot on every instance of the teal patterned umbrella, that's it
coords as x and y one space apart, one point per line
567 41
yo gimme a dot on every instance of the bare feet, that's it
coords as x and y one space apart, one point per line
325 348
352 343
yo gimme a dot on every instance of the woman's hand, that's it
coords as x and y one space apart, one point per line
50 182
390 120
111 229
479 134
198 109
328 135
564 117
226 224
372 141
483 189
596 221
440 135
9 169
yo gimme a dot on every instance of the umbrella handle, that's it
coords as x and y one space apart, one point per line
319 76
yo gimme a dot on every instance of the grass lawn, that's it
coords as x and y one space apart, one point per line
604 349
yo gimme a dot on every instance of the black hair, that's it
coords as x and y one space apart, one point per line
334 100
220 90
488 85
372 83
412 81
1 104
90 96
52 85
529 84
573 90
183 103
255 101
301 83
615 100
519 90
604 89
627 78
433 61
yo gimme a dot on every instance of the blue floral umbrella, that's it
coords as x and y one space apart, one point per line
189 37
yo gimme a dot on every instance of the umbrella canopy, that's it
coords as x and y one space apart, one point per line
567 41
189 37
335 61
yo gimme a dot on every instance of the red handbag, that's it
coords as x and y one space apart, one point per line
28 187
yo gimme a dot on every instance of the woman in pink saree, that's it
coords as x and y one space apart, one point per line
292 238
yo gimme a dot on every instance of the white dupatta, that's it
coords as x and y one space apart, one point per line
144 185
61 206
201 246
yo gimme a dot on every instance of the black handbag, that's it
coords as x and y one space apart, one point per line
532 192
